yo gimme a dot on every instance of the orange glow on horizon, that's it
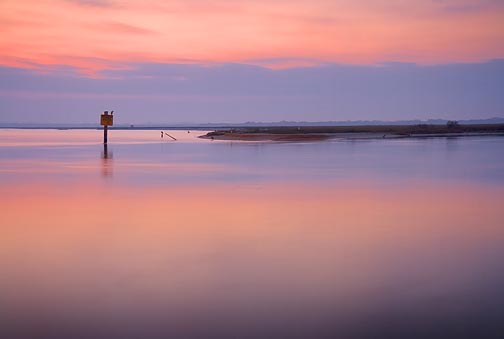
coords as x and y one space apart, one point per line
96 35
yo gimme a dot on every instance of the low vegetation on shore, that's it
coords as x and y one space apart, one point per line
279 133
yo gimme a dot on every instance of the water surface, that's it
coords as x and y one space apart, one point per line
152 238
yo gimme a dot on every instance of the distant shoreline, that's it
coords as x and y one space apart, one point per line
252 125
313 133
307 133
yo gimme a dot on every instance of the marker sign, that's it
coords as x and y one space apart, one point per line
107 120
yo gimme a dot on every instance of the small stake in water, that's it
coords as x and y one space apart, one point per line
166 133
106 121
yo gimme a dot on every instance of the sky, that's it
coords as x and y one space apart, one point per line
153 61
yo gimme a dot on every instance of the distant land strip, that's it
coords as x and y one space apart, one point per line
226 125
306 133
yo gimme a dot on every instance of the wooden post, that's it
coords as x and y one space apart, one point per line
106 120
105 129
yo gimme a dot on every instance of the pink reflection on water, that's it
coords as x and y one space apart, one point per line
130 250
74 137
82 167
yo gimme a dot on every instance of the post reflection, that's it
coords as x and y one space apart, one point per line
107 162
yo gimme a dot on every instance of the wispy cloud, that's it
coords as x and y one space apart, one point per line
94 3
469 6
283 63
120 27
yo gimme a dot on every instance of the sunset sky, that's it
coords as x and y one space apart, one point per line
159 61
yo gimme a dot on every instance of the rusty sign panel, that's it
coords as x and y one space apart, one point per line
107 120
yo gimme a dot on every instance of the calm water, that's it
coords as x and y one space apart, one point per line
154 238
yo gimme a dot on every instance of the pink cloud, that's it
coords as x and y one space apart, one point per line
121 28
103 34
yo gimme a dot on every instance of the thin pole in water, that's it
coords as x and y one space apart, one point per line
105 130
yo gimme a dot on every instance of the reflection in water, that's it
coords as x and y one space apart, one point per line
386 239
283 259
107 163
